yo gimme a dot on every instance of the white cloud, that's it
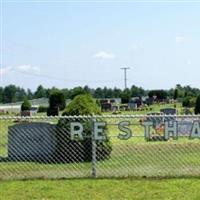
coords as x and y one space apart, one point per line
20 68
180 39
28 69
5 70
104 55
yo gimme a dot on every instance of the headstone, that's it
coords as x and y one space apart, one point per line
168 111
31 142
106 106
115 108
132 106
185 127
102 101
2 111
112 101
26 113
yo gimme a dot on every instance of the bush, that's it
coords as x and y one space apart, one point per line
57 102
175 94
188 102
26 105
160 94
52 111
42 109
80 150
197 106
82 105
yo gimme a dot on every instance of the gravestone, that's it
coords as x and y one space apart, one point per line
168 111
31 142
106 107
26 113
185 127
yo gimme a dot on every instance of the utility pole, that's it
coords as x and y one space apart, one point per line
125 76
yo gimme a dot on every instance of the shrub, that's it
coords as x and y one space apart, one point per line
188 102
80 150
42 109
197 106
57 102
160 94
82 105
52 111
26 105
175 93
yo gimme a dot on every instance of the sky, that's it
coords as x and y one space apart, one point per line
75 43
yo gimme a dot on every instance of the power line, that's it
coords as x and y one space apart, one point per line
65 80
125 76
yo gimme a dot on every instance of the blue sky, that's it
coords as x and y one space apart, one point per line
86 43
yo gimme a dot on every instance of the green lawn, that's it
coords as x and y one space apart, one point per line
129 158
101 189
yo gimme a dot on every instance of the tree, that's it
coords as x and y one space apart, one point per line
88 90
29 94
117 92
80 150
20 94
160 94
175 93
137 91
197 106
26 105
77 91
40 92
98 93
9 95
125 96
1 95
57 102
189 101
186 102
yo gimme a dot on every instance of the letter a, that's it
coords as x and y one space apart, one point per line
195 133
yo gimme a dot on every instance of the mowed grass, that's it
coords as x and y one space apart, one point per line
129 158
101 189
162 159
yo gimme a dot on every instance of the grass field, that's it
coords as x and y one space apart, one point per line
129 158
134 158
101 189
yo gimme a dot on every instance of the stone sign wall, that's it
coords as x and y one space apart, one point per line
31 142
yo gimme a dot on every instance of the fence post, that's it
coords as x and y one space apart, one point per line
94 160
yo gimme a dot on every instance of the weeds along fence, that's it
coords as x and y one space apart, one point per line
99 146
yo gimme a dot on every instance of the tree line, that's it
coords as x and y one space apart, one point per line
12 93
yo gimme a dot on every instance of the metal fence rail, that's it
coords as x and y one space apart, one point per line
99 146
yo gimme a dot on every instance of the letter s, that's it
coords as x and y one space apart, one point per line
123 127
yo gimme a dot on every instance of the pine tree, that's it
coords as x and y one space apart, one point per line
197 106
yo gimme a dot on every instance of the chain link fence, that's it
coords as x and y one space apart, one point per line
99 146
